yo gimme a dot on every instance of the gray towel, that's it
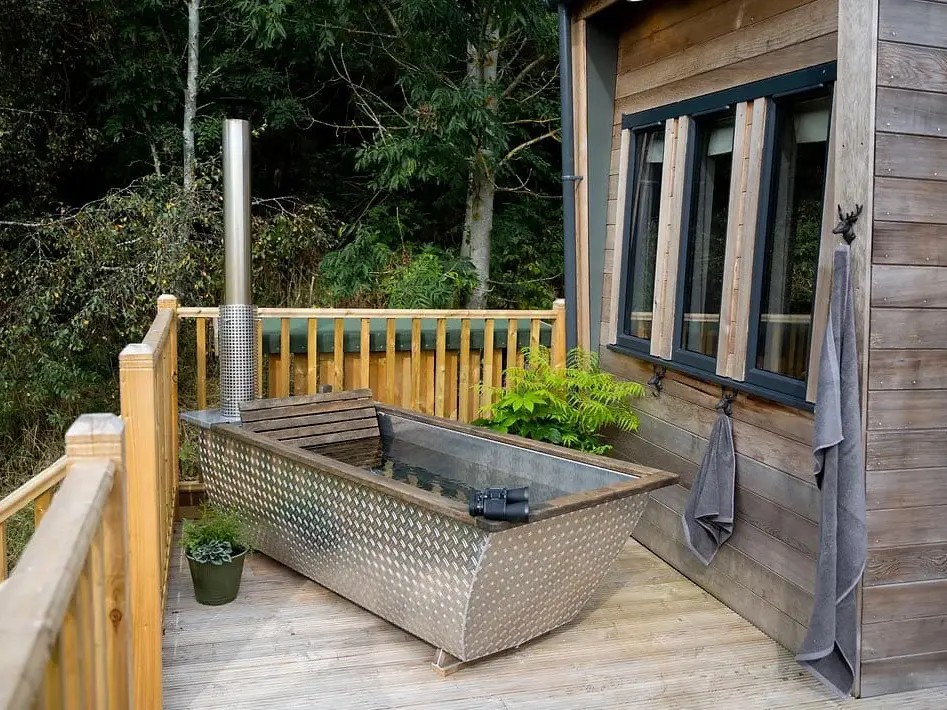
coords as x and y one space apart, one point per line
708 515
828 650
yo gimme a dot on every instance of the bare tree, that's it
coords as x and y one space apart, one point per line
190 94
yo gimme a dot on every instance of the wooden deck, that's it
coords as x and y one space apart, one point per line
649 639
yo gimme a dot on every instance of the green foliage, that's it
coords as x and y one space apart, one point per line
216 526
569 406
214 552
368 273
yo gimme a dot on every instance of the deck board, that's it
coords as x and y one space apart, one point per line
649 639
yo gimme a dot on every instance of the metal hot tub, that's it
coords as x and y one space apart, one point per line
415 557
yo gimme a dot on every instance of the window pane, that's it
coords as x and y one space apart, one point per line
707 235
791 253
643 230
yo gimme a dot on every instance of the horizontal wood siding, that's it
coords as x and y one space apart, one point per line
904 635
675 51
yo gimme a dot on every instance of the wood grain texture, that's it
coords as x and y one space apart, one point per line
580 66
912 563
908 369
906 66
907 156
905 637
814 19
615 264
916 112
900 602
909 488
913 22
909 286
905 449
289 643
903 675
895 328
903 527
905 200
907 409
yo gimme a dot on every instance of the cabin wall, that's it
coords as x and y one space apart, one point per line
766 571
904 602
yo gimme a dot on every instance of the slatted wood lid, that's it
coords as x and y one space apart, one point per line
315 419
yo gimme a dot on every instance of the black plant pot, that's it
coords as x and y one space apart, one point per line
217 584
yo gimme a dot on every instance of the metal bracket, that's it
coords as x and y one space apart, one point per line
573 178
726 400
657 380
846 225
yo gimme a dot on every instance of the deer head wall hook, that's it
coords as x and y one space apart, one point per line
846 225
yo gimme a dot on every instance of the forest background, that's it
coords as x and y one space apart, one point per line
405 153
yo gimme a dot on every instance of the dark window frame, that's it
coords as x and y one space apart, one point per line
631 341
806 79
765 216
696 360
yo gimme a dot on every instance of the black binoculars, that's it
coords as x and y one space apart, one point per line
508 504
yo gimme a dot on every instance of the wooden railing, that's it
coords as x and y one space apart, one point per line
65 622
434 379
148 375
38 491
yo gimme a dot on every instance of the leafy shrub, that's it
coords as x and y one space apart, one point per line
368 273
569 406
216 552
215 526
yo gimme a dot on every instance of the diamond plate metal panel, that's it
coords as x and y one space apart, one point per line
457 587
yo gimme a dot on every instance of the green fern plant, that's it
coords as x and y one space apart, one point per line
569 406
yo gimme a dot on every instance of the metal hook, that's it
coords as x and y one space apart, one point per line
726 401
846 225
657 380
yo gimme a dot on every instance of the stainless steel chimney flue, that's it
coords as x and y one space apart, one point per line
237 314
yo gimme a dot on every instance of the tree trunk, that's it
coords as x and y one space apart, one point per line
190 95
478 221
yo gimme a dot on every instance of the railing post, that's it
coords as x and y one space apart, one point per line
101 436
559 333
170 303
139 411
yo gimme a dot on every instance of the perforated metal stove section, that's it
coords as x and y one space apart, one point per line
454 585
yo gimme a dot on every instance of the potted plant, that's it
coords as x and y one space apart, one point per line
215 546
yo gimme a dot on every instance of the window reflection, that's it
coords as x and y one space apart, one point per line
707 234
791 251
642 249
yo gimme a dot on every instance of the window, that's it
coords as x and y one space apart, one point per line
644 209
788 252
701 274
722 232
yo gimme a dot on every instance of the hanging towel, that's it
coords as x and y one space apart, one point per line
828 650
708 515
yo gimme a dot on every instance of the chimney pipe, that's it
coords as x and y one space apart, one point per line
237 314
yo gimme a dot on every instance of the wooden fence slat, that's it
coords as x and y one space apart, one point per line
440 363
86 625
464 385
201 337
559 332
338 355
511 349
474 384
3 551
52 680
390 362
259 358
486 395
364 354
40 506
534 326
99 618
312 356
71 676
416 363
285 358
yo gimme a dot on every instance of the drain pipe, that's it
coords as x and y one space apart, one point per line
568 171
237 314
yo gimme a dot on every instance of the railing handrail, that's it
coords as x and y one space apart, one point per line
33 488
36 596
409 313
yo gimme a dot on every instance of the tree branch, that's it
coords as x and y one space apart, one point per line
527 144
518 79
